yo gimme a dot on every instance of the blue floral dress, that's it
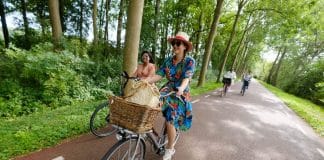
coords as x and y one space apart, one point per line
175 111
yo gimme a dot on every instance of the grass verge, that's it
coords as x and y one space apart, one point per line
313 114
208 86
25 134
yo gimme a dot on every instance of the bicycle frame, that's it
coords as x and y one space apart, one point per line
225 89
155 138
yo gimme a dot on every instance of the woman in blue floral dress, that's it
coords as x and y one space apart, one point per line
178 69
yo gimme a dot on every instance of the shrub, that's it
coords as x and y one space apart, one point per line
31 80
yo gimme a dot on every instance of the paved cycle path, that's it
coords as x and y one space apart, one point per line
257 126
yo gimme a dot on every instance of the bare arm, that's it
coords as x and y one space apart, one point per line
153 78
152 70
182 87
135 73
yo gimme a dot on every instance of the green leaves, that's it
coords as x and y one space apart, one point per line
32 80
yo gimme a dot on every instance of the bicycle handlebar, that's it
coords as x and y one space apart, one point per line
125 75
181 98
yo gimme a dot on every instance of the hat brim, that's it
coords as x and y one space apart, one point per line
187 43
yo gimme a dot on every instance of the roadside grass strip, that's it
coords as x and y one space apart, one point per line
313 114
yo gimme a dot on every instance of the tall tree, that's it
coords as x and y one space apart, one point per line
133 31
26 24
4 25
120 25
198 37
156 26
55 22
241 4
241 40
81 20
107 20
40 9
273 67
275 76
63 16
210 41
102 12
62 6
94 21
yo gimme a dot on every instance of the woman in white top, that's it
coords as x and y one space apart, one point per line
229 77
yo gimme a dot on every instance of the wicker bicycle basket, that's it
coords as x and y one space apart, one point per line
132 116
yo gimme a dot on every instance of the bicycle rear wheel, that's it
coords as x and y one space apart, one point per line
243 91
126 149
225 88
99 121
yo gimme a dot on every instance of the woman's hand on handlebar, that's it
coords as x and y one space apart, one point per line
179 91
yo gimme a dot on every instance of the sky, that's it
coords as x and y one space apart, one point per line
269 55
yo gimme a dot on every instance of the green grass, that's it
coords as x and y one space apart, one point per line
208 86
39 130
25 134
310 112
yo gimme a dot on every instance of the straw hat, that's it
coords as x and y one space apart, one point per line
182 36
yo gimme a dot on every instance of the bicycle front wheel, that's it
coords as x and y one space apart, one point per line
126 149
99 121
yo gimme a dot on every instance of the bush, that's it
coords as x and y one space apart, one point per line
31 80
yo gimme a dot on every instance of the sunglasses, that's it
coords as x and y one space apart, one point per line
178 43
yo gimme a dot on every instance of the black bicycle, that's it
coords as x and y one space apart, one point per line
227 82
99 121
132 146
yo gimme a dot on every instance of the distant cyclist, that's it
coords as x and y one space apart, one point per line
228 77
246 80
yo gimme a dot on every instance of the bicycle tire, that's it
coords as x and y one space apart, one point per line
117 150
99 121
225 88
243 90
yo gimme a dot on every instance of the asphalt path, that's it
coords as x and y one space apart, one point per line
256 126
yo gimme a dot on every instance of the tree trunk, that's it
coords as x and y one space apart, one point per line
229 43
81 21
107 20
42 20
209 44
133 31
156 27
56 23
273 67
164 43
244 61
275 76
120 25
4 25
26 24
94 19
61 12
243 57
198 37
101 19
241 40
